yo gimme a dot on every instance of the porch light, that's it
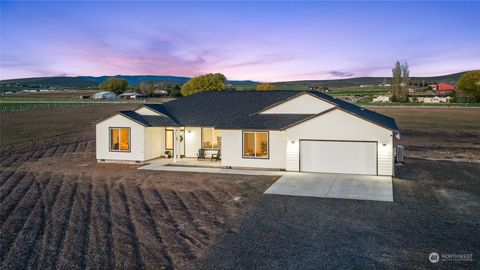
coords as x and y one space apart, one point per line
189 131
293 142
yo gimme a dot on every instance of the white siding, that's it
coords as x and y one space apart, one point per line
154 142
137 139
303 104
232 149
193 141
146 111
339 125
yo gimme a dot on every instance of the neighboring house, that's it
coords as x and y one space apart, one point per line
129 95
433 86
445 89
104 95
281 130
381 99
431 99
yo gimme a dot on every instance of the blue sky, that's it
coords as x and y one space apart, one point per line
265 41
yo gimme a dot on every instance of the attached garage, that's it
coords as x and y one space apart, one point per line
353 157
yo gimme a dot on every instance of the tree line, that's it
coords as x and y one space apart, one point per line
468 84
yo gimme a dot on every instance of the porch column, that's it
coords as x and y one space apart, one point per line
174 145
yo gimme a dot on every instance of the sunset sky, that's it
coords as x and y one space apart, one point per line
264 41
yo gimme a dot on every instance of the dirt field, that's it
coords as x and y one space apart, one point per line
438 133
60 209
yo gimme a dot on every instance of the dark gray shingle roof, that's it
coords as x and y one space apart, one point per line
150 120
239 109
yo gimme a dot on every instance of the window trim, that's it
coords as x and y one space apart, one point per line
255 131
173 139
129 140
213 134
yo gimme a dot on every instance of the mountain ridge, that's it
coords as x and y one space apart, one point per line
94 81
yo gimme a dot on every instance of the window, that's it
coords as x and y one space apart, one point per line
169 139
255 144
211 138
120 139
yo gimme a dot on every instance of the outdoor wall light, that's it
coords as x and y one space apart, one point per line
293 142
384 145
189 131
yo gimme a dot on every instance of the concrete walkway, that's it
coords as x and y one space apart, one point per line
170 168
326 185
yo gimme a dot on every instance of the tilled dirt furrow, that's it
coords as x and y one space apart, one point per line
190 230
81 147
200 214
152 250
56 224
75 244
26 241
214 213
70 149
12 193
38 154
15 221
60 150
180 249
90 146
100 254
50 151
125 241
6 174
10 160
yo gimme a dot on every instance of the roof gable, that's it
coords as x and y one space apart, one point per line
304 103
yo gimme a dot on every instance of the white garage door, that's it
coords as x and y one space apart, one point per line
338 157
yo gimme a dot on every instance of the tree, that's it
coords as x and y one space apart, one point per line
469 83
146 89
405 82
116 85
265 86
207 82
396 81
400 82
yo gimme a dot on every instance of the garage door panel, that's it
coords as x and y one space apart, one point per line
338 157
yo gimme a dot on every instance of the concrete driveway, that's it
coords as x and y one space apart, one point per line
327 185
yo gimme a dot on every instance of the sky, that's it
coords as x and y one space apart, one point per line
263 41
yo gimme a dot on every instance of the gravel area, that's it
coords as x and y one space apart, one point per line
436 208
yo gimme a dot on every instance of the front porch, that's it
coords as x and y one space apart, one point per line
186 162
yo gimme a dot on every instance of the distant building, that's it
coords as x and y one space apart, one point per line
445 89
129 95
430 99
104 95
433 86
381 99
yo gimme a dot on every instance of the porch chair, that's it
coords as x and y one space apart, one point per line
216 156
201 154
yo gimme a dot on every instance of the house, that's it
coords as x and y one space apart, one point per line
129 95
304 131
381 99
445 89
104 95
430 99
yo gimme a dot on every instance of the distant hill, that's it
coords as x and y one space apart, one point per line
82 82
450 78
